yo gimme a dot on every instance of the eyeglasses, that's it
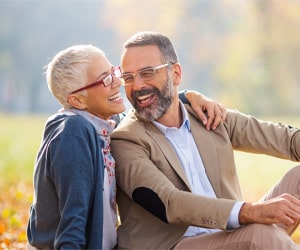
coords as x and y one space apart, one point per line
106 81
146 74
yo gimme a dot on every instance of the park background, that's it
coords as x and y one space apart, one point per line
243 53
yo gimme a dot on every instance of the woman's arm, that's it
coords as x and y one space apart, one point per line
210 112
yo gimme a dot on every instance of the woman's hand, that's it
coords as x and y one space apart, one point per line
210 112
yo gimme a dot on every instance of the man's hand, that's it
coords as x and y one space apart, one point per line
284 209
215 112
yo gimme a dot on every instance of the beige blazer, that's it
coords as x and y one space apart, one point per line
154 197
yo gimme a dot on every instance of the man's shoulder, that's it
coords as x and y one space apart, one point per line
231 114
130 120
130 126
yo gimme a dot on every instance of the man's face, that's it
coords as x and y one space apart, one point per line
150 97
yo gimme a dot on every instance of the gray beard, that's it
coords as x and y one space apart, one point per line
158 108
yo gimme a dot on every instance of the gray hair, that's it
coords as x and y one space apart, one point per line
68 70
162 42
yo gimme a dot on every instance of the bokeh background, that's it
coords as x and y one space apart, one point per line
243 53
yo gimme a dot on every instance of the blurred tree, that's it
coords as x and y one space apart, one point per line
131 16
30 38
280 24
243 53
260 65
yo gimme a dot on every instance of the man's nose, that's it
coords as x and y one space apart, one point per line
138 83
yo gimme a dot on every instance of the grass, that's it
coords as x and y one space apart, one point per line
20 139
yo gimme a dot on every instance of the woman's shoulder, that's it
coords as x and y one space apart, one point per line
64 124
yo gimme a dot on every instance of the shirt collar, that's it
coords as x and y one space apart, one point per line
185 121
103 127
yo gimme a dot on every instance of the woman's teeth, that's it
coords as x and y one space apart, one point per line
115 97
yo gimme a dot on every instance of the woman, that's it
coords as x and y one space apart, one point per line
74 203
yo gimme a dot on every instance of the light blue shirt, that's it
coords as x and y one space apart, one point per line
184 145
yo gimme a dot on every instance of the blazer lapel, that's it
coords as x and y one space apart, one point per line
168 151
205 144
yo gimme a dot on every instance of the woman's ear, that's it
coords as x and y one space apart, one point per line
77 101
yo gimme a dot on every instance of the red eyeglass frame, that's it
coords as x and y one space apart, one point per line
115 71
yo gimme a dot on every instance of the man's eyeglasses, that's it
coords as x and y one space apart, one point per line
106 81
146 74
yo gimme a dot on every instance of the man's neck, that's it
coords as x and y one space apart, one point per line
173 116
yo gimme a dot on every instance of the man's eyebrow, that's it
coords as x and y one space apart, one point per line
148 67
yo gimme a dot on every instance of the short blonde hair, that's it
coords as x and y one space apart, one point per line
68 70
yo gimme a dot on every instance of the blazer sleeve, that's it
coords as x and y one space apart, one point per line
250 134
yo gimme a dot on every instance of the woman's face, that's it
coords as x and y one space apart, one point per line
100 100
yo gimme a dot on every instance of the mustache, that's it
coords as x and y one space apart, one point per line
142 92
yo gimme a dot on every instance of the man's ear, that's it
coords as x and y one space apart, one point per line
177 74
77 101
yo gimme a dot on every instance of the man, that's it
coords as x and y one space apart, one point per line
177 183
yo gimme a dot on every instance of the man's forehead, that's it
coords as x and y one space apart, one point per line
136 58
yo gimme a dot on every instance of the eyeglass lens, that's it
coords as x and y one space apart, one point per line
107 80
116 71
144 74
